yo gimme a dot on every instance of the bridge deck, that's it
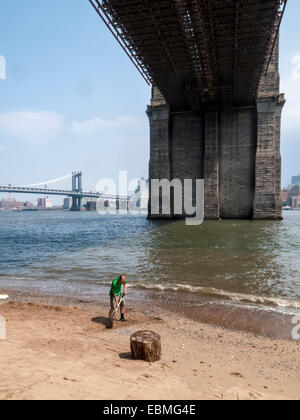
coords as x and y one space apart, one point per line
65 193
198 52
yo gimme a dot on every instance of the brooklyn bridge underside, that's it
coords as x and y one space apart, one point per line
216 105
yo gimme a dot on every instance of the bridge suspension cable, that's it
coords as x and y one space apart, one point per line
52 181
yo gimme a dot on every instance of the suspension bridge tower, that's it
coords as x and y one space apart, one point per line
77 188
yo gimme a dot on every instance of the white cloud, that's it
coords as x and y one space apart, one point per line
296 68
99 125
35 127
2 148
291 87
42 127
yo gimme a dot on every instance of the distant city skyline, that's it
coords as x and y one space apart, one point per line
72 100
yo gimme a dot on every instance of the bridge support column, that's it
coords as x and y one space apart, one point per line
76 203
176 151
236 154
267 204
160 154
211 166
218 146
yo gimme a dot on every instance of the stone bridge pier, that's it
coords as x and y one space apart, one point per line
236 150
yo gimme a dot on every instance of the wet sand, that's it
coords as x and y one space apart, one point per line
59 348
263 320
266 322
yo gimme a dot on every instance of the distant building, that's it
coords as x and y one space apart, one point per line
67 204
295 190
41 203
142 194
284 195
44 203
28 205
296 202
11 203
296 180
91 205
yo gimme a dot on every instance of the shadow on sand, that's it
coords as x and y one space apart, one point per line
126 356
100 320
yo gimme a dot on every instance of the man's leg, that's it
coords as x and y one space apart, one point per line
112 307
122 310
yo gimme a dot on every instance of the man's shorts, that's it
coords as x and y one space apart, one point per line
113 302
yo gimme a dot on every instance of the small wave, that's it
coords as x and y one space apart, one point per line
235 297
104 283
5 277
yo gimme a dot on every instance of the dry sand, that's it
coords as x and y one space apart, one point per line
65 352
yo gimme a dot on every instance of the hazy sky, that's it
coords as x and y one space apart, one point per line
73 100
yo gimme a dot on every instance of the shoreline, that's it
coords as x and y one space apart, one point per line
60 349
258 320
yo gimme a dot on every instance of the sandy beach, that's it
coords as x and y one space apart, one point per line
61 349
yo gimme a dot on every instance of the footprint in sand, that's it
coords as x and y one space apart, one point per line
147 376
237 375
70 380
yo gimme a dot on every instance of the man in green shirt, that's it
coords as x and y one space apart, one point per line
115 296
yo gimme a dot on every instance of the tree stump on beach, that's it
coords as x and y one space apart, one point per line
145 345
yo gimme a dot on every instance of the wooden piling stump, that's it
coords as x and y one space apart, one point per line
146 345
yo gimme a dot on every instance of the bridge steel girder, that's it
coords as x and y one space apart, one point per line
197 52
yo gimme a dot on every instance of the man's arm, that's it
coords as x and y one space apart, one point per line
125 289
116 300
